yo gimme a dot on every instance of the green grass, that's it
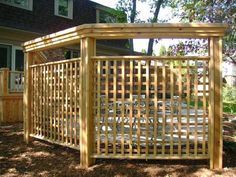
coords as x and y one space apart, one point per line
227 107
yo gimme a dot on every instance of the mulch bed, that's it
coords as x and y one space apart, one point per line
40 158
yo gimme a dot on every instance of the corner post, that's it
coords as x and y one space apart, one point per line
28 60
216 103
88 49
218 112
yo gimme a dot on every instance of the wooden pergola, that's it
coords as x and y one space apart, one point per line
42 122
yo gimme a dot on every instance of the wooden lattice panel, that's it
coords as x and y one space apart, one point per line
55 102
151 108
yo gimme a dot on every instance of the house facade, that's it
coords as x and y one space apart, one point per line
229 73
23 20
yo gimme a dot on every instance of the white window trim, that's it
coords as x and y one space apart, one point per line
29 7
70 9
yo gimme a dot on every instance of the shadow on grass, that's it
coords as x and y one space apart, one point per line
40 158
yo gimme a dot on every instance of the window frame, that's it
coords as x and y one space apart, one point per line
12 54
13 59
70 9
71 54
100 10
28 7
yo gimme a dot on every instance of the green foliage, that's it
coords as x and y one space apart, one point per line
144 51
193 46
199 104
128 7
229 98
162 51
218 11
119 15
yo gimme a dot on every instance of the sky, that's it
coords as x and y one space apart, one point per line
165 14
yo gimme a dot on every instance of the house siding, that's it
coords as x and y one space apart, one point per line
42 18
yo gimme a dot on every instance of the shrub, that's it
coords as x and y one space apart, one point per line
229 98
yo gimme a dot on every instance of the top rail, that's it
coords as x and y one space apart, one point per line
202 58
56 62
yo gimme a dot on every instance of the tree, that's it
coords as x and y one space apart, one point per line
130 8
157 6
193 46
213 11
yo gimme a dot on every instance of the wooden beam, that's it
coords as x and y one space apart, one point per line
88 49
125 31
27 97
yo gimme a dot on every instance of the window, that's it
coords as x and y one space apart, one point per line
11 57
25 4
64 8
105 17
17 59
71 54
5 56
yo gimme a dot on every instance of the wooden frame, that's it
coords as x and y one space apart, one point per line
128 73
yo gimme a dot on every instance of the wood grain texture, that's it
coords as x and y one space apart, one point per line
121 31
144 107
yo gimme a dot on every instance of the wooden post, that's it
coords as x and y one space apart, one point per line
4 81
216 107
218 142
88 49
27 97
211 102
4 77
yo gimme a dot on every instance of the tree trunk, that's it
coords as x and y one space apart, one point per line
154 20
132 20
131 46
133 11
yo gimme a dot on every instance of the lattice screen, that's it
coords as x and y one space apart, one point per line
151 108
55 101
